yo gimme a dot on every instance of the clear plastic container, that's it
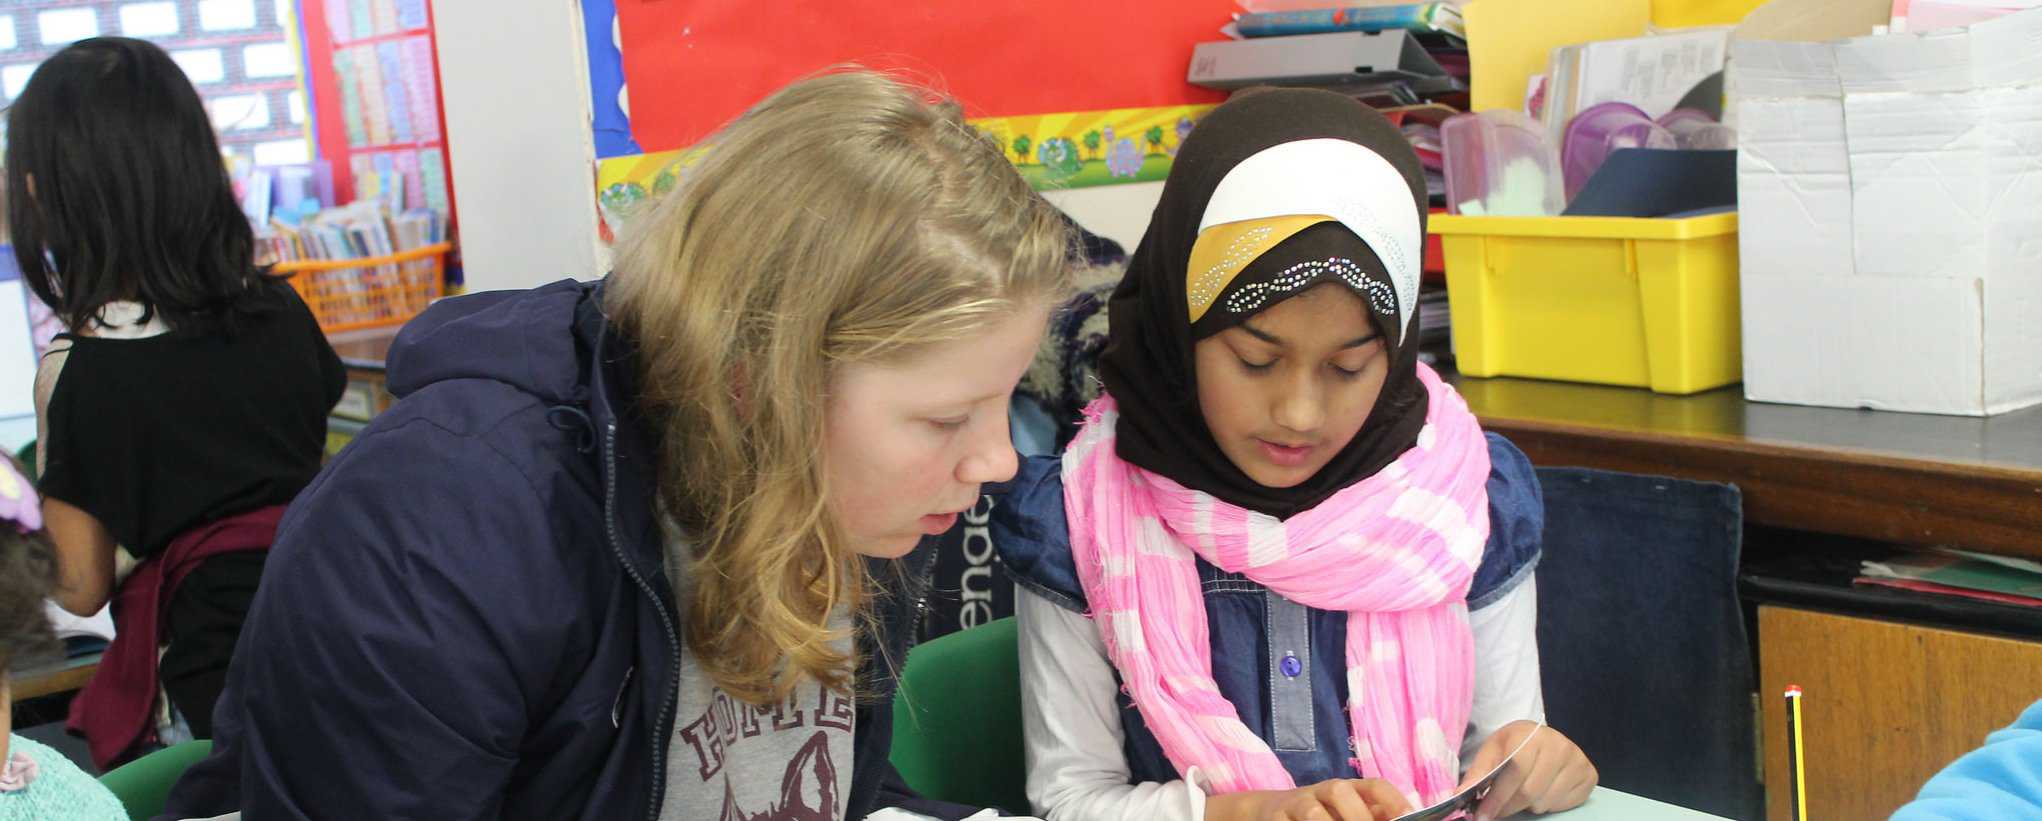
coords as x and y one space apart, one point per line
1599 131
1695 131
1499 163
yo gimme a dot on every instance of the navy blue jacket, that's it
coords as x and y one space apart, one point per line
467 614
1303 717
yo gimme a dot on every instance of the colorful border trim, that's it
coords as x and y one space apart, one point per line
1073 149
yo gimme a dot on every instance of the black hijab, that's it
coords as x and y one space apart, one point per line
1148 364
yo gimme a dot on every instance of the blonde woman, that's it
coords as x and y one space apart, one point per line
652 548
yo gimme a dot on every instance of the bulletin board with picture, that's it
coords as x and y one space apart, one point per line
1077 93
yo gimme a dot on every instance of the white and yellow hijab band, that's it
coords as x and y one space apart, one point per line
1284 189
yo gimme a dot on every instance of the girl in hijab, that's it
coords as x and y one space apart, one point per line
1281 572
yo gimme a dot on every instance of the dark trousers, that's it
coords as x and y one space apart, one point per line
201 626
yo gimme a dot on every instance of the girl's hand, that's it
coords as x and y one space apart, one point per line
1339 799
1549 775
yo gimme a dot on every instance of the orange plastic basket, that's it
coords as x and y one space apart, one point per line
345 294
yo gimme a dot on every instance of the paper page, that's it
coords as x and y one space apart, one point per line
66 625
2004 561
1652 73
1466 799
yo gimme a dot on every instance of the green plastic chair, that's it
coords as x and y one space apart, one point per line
957 719
143 785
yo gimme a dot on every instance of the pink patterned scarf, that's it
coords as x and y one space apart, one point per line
1397 551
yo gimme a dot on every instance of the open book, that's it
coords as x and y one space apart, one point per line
80 635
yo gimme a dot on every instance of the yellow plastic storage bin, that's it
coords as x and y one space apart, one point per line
1610 300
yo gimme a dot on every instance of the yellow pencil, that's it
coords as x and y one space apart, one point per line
1796 772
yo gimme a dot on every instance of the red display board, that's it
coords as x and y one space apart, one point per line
692 65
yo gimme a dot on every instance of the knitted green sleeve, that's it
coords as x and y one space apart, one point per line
60 792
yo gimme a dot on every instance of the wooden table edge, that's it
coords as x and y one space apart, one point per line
1851 492
42 683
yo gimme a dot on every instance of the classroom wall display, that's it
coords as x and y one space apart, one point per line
375 79
605 46
26 328
1077 92
239 54
1070 149
690 67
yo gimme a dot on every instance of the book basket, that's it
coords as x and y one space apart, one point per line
345 294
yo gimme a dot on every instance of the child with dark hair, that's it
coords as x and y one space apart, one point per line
187 403
36 782
1280 573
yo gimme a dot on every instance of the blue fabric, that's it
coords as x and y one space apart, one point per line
2002 779
1642 642
1033 429
467 615
607 117
1033 538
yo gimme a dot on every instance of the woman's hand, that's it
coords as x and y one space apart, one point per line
1340 799
1549 775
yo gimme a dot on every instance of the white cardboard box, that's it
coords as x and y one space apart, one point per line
1890 191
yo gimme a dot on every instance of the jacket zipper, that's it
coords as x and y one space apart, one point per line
673 640
913 628
922 585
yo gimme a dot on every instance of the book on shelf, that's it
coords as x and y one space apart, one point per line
1441 18
356 231
1390 60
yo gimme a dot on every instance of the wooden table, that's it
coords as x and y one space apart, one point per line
1905 478
52 678
1889 703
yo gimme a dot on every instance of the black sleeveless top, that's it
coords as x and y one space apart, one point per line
157 435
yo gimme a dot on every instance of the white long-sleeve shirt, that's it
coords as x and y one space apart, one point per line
1078 772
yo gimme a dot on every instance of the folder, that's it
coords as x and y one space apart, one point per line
1339 58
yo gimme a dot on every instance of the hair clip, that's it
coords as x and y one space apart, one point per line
18 500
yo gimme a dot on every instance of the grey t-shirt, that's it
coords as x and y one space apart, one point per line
731 761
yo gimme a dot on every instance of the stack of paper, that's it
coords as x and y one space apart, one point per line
1652 73
1959 573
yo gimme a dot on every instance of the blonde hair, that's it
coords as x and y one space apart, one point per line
846 218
